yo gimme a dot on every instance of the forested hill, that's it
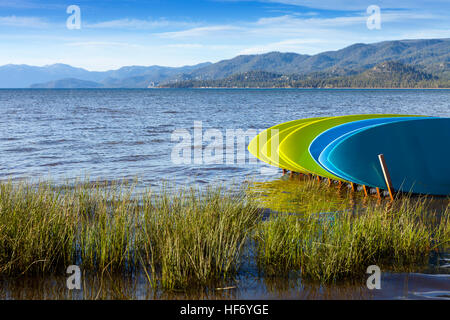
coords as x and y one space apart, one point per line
389 74
431 55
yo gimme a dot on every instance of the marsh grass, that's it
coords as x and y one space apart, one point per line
36 228
185 238
179 239
337 246
196 236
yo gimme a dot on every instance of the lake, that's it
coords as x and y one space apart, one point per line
112 134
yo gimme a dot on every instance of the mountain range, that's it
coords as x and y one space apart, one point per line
388 74
418 60
24 76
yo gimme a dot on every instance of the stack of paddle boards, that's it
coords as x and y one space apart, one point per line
416 150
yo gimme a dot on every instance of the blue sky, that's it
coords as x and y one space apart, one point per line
182 32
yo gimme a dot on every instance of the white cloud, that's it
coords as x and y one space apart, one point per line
185 45
289 21
28 22
298 45
361 4
200 31
137 24
426 34
288 26
16 4
101 44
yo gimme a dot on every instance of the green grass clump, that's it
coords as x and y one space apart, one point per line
37 229
194 238
107 220
180 239
332 247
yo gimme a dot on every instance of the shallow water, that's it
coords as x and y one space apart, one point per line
393 286
115 134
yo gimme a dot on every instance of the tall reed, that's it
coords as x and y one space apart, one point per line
37 228
329 247
194 238
191 237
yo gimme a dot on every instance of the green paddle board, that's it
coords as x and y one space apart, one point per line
294 149
264 141
270 148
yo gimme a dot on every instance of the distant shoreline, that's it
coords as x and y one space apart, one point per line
228 88
305 88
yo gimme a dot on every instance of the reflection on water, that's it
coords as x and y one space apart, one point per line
393 286
300 194
296 195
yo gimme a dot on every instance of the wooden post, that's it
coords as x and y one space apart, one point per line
329 182
339 184
387 177
319 179
284 171
378 193
366 191
353 186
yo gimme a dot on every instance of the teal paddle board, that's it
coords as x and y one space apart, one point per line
320 145
416 151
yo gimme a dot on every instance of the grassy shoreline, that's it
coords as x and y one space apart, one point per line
195 237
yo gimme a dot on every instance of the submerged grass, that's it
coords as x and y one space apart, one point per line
195 237
303 196
328 247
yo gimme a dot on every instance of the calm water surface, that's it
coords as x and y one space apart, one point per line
113 134
116 134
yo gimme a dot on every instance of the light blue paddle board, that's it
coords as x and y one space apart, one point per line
417 154
318 145
326 138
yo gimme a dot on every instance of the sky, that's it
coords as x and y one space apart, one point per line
114 33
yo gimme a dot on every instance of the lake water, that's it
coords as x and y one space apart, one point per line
116 134
113 134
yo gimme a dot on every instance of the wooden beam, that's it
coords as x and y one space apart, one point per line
387 176
366 191
378 193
